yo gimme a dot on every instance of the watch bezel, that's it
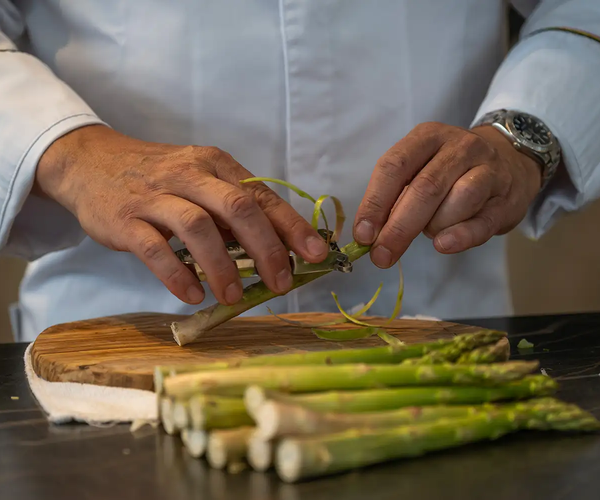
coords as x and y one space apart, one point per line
509 124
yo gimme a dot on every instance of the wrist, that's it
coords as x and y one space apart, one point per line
531 169
56 169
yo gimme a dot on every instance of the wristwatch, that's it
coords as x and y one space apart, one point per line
528 135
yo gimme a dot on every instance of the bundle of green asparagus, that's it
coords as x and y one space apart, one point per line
311 414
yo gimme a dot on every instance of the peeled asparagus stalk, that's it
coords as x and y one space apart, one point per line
392 398
274 420
191 328
195 441
304 457
215 412
260 452
228 446
360 376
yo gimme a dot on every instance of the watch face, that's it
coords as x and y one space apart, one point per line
532 131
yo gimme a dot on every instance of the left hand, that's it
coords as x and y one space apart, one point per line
458 187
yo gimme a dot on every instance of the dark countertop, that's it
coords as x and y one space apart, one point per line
40 461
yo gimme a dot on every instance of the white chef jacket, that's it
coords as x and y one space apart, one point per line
308 91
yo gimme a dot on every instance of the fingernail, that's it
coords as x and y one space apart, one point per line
447 242
283 280
382 257
365 233
233 293
316 246
195 294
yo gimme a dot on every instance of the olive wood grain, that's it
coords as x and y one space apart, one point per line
121 351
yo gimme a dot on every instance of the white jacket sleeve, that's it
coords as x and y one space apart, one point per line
554 75
36 108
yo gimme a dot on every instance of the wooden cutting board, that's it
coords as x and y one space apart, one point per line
123 350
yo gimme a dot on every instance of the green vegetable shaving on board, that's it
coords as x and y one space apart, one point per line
390 339
524 344
343 335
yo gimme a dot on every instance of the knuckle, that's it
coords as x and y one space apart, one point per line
469 192
471 142
429 127
392 165
297 224
275 254
426 187
175 277
239 204
210 153
489 222
151 248
266 197
196 222
396 232
373 205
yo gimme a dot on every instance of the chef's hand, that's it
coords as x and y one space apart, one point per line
458 187
131 195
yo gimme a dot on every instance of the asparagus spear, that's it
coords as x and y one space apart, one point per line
392 398
215 412
275 419
495 353
195 441
461 346
228 446
303 457
358 376
371 355
191 328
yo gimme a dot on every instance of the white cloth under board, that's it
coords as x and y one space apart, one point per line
65 402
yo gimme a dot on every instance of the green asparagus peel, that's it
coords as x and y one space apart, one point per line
214 412
340 217
295 189
303 457
524 344
357 376
357 314
340 335
390 339
359 401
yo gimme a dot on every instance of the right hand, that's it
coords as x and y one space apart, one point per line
131 195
